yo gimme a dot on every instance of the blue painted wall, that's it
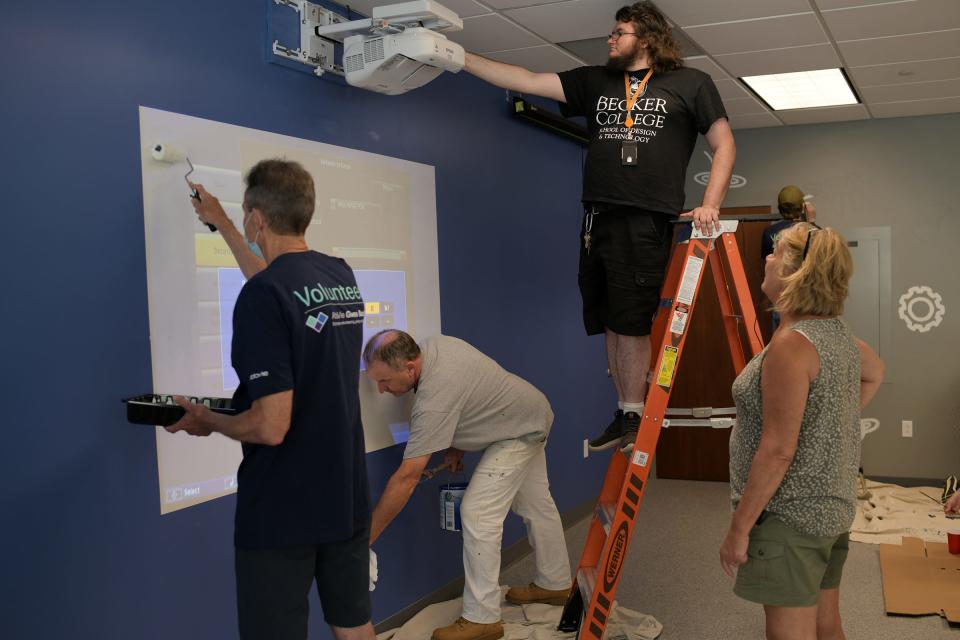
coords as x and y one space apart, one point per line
87 554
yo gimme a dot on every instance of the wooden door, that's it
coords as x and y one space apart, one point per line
705 373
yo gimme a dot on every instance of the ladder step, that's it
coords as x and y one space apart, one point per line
587 582
606 512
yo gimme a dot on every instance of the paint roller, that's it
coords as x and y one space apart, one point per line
167 153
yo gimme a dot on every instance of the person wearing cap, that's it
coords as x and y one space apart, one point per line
644 111
465 401
794 208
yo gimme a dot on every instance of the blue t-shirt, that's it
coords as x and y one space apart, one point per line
770 236
298 325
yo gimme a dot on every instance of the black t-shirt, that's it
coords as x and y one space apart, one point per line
770 235
673 108
298 325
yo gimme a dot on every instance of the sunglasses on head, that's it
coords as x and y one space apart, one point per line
806 246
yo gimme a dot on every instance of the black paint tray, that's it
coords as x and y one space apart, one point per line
163 411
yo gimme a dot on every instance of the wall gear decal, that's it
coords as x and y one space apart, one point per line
921 308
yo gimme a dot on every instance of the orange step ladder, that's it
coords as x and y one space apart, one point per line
591 598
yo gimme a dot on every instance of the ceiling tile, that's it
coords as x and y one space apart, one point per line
571 20
919 46
543 59
754 120
759 35
915 108
697 12
592 51
826 114
708 66
892 19
731 89
687 46
820 56
841 4
492 32
743 106
463 8
924 71
911 91
513 4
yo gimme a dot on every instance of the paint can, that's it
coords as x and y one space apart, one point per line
451 495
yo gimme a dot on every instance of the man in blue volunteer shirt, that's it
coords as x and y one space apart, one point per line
302 504
644 110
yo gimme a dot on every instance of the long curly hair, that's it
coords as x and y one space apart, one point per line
664 50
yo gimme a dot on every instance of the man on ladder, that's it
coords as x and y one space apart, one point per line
591 600
643 111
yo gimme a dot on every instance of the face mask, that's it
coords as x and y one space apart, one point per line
255 248
252 244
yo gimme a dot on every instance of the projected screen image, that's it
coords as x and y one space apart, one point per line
384 297
377 213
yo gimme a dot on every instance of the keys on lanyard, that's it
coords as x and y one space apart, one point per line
587 227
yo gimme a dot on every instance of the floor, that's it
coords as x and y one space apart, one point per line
673 573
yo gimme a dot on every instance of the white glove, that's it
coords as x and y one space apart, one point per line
373 570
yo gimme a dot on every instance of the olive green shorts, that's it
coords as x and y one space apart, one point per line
786 568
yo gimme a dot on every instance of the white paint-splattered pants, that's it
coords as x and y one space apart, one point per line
511 474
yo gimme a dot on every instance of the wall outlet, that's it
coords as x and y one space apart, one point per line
906 427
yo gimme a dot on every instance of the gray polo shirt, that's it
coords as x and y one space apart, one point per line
466 400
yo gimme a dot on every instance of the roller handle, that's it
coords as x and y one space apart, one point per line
196 194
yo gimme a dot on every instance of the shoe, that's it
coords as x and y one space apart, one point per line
463 629
533 593
610 436
631 424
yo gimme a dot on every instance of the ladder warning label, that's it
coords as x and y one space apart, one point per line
678 322
688 283
668 362
641 458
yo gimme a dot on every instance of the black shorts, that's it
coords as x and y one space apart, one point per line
622 273
273 584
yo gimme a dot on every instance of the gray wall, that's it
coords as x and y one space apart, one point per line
899 175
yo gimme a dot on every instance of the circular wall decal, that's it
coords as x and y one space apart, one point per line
921 308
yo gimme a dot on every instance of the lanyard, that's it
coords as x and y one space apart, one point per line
632 99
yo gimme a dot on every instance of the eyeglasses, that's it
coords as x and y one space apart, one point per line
806 246
616 35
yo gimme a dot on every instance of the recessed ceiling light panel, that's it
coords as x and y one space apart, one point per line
803 89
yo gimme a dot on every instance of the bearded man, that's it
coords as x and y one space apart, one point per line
644 110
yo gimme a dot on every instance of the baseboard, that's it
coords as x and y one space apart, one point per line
908 482
454 589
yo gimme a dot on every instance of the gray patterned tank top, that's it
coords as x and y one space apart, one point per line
817 496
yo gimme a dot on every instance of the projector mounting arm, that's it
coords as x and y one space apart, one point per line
320 27
314 51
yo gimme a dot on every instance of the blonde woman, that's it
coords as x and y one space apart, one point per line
795 450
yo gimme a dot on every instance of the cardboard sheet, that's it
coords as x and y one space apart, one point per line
888 512
920 578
